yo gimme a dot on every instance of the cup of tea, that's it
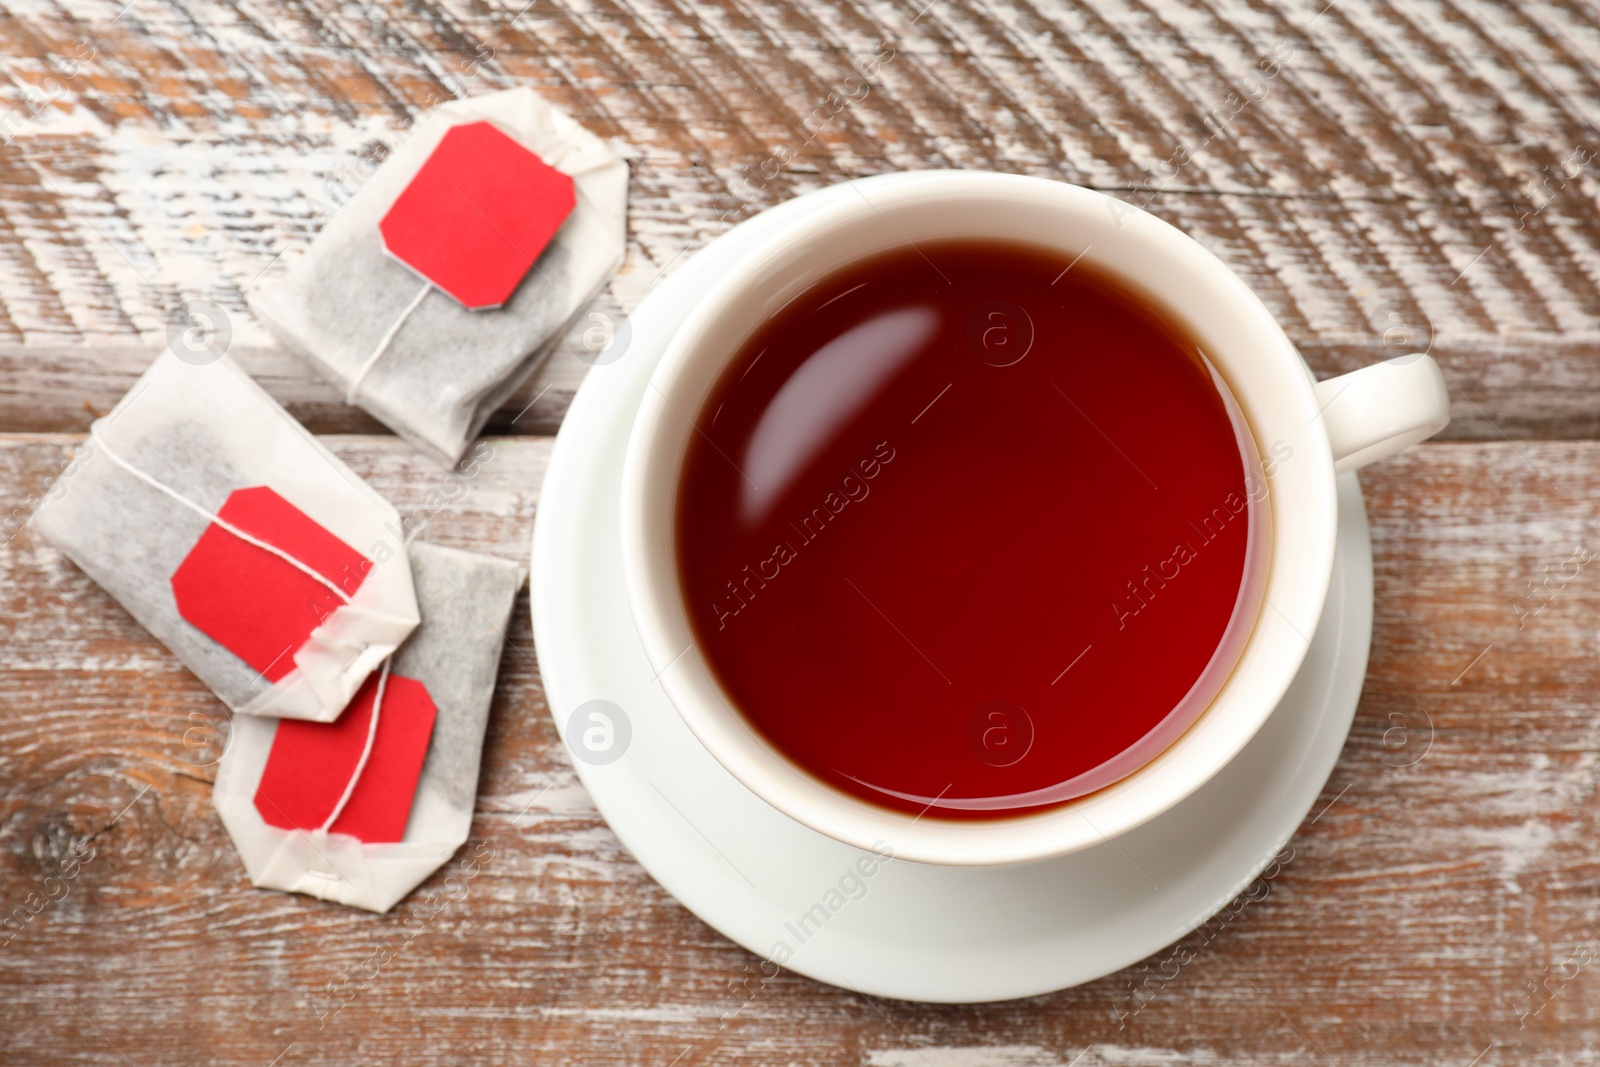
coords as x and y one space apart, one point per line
985 517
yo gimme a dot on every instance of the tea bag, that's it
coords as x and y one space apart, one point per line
362 810
370 303
239 541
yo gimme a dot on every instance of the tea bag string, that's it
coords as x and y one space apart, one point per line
555 164
388 337
366 753
384 342
154 483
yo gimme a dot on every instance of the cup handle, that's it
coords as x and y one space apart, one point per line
1378 410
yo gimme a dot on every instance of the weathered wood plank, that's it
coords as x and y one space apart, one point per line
1384 175
1406 175
1452 868
47 389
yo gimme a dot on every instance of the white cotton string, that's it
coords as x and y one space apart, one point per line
384 342
555 164
110 453
366 752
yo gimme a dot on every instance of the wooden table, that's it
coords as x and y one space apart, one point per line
1387 176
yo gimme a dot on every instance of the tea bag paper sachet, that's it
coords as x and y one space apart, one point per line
257 557
439 287
362 810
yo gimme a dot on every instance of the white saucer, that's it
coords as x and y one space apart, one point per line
907 931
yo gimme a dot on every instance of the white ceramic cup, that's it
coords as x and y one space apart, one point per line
1323 428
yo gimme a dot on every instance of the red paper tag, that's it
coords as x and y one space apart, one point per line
311 763
251 602
477 215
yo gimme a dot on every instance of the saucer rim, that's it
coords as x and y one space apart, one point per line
710 891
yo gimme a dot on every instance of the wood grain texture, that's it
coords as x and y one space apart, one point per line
1448 869
1387 176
